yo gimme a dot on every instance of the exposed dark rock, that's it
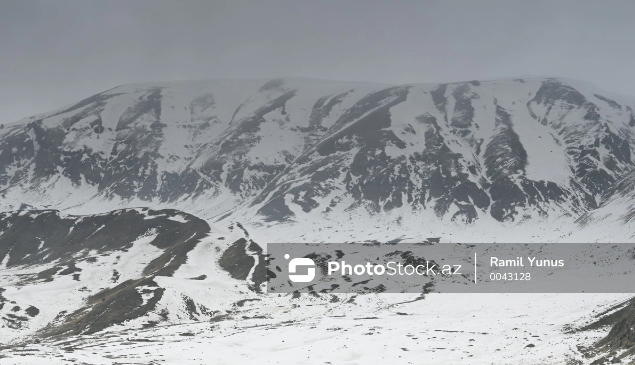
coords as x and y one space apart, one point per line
621 337
236 261
47 236
109 307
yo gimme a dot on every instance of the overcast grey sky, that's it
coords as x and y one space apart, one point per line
54 52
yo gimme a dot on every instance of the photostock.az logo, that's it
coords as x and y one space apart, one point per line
301 261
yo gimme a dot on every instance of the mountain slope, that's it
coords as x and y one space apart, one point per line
66 275
145 286
288 150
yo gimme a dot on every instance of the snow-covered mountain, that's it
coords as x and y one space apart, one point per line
247 162
291 150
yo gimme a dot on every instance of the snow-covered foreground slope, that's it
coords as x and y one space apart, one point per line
440 329
144 286
64 275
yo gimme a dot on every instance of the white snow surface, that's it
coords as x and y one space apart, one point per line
269 329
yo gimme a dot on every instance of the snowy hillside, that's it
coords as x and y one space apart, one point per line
295 150
145 286
65 275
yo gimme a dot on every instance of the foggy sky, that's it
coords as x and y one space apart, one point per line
55 52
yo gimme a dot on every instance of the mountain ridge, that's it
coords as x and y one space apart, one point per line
513 149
